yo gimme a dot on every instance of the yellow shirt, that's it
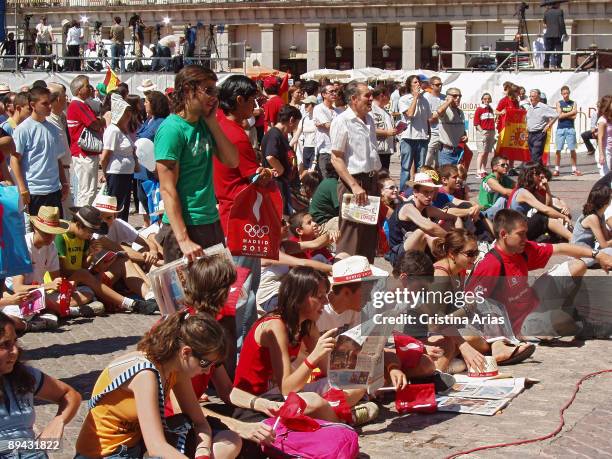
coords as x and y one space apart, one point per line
113 421
72 249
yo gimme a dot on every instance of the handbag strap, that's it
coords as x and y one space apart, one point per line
83 109
144 364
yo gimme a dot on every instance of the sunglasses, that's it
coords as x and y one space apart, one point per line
471 253
455 95
392 187
504 165
437 84
206 364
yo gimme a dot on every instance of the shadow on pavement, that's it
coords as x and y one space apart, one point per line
99 346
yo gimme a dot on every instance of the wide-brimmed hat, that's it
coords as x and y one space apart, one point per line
310 100
106 203
89 216
146 85
423 179
118 107
355 268
4 88
48 221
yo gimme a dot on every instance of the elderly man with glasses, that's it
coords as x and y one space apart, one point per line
451 128
540 118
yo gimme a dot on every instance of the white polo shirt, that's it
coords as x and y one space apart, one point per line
321 115
357 140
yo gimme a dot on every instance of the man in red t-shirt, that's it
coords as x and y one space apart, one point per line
78 117
237 101
274 103
502 275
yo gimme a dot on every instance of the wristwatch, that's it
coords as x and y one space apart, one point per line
594 253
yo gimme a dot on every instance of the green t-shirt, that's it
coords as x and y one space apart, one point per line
324 203
73 249
486 196
192 146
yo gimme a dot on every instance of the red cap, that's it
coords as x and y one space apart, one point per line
270 82
169 91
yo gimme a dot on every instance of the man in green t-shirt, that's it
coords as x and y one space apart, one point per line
495 186
184 147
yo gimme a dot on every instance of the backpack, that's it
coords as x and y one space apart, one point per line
333 440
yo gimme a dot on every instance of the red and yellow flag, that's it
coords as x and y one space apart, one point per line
111 80
512 141
283 90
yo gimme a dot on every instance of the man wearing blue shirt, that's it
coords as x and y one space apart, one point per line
36 163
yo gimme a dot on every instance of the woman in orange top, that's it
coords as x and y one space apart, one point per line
126 416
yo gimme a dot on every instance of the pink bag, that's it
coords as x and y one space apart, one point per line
332 441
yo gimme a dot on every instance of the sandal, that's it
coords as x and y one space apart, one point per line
577 173
519 355
555 173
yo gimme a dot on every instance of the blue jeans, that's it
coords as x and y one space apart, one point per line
117 50
449 155
411 151
246 308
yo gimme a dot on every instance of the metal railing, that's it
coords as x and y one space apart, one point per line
113 3
512 59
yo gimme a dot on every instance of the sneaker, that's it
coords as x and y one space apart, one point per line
147 307
364 413
95 308
74 311
42 322
556 173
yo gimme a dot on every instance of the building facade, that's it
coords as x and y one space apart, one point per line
307 35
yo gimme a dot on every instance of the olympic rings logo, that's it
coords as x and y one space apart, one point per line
256 230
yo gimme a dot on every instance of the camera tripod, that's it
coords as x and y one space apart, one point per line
522 26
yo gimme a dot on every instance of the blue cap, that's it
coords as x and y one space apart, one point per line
423 77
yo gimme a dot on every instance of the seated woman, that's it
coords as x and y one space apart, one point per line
284 347
591 228
126 416
455 255
411 225
20 384
532 198
207 289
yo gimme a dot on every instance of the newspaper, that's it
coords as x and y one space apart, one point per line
168 281
480 396
367 214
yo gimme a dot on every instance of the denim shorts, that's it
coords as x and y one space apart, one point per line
565 136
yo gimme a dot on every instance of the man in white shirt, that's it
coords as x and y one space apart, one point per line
44 39
435 100
323 115
354 156
385 131
58 119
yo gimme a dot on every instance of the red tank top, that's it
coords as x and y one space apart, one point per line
254 371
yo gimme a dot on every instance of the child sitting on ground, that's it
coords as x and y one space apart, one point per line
310 243
495 188
43 253
76 252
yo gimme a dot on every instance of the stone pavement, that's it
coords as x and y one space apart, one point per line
81 348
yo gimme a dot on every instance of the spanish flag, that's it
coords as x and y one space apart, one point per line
283 90
512 141
111 80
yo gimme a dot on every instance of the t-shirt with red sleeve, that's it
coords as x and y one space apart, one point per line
271 110
505 103
229 181
485 118
78 116
515 293
324 255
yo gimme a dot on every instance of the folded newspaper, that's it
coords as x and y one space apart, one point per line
168 281
367 214
480 396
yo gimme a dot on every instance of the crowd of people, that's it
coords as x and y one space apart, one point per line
78 169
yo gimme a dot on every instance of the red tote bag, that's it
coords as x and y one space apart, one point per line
254 224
